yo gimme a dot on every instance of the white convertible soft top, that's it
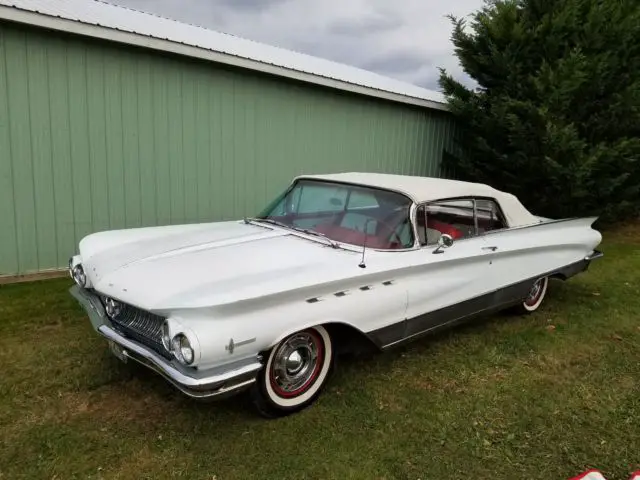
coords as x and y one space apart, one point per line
427 189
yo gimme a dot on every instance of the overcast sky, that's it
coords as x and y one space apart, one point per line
404 39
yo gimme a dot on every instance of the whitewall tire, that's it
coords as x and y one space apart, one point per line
295 371
535 296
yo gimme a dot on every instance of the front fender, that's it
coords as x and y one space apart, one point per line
327 323
256 330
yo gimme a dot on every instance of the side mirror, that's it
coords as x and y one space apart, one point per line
445 241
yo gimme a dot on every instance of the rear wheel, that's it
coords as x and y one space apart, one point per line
297 369
535 296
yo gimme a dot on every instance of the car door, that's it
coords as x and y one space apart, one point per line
447 284
505 280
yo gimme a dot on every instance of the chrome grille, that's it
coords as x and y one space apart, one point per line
141 326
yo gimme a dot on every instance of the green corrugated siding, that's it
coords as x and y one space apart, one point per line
97 136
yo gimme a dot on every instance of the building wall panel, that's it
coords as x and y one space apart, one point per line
8 224
97 136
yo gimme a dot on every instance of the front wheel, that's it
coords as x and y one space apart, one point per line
535 296
297 369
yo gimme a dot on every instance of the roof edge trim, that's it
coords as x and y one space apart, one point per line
43 20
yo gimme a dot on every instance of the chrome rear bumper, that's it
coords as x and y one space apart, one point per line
594 255
215 382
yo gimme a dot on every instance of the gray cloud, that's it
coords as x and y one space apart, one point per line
199 13
396 62
365 25
252 5
407 42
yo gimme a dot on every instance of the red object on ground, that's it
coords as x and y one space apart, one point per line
597 475
589 475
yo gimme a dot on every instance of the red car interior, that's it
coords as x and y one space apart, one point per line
441 227
444 228
384 238
348 235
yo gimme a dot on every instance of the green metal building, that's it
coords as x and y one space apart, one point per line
113 118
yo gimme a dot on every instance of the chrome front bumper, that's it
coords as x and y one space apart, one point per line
215 382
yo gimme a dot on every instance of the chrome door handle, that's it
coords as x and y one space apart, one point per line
493 249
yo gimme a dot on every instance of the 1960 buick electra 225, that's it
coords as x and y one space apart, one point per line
335 263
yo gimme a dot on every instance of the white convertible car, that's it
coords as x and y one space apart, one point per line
336 262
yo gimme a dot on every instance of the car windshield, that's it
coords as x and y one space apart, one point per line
344 213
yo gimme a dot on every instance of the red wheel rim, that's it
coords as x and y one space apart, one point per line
296 364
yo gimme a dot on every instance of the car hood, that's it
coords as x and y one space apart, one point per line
204 265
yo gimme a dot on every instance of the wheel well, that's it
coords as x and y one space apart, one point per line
348 339
558 276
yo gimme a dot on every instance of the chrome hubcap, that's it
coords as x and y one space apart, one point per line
535 292
294 363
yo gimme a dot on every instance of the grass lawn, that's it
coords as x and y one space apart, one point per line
539 397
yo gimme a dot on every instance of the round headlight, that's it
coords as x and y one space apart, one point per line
166 336
182 349
112 307
79 276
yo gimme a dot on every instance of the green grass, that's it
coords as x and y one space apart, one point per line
545 396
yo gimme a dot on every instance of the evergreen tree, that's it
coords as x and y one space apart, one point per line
555 118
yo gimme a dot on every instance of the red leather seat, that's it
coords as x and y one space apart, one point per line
355 237
444 228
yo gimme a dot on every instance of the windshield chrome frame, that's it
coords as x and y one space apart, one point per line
411 215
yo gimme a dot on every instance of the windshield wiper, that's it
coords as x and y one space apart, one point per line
318 234
267 220
292 227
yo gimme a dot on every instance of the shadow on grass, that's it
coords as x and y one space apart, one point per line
154 384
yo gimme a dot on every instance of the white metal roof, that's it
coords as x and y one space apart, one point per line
427 189
99 19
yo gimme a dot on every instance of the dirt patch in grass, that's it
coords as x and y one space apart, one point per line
626 233
124 402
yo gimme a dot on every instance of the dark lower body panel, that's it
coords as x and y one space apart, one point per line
491 302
